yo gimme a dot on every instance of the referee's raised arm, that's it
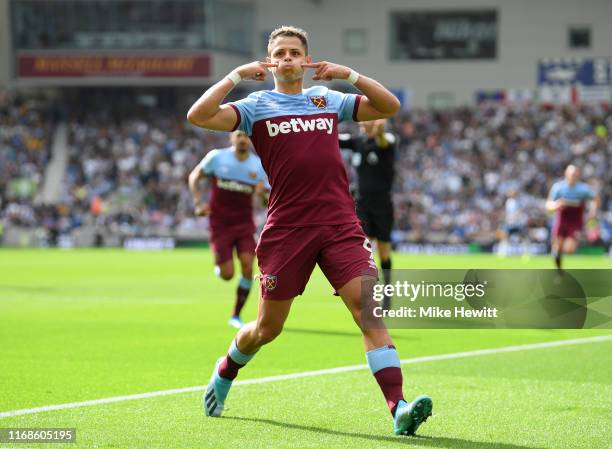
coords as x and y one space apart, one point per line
380 137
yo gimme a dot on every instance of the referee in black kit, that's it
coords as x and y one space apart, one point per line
373 158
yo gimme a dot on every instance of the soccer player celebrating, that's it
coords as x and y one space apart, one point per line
235 174
311 215
373 158
568 198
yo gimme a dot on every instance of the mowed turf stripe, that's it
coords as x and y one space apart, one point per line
322 372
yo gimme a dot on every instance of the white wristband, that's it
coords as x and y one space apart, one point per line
353 77
234 77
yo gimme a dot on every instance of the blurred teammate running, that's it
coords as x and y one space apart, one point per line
568 199
235 174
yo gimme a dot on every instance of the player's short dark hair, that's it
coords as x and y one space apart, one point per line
289 31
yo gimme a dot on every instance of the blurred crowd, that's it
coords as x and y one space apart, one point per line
26 125
130 177
127 175
456 168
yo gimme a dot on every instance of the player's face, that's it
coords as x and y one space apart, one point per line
290 54
241 141
572 174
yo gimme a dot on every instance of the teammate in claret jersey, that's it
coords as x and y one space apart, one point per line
311 215
235 174
568 199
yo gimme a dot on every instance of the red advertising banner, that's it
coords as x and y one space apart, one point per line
71 66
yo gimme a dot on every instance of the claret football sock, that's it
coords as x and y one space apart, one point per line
233 361
385 366
242 293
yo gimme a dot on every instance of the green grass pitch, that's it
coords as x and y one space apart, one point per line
90 324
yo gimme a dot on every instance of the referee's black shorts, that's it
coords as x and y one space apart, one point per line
376 214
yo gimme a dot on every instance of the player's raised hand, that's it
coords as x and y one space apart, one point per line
328 71
256 70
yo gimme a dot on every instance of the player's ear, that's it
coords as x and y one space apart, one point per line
308 59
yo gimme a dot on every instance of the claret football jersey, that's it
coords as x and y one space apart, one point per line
296 137
232 186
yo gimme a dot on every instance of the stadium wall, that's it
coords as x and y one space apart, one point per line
220 63
528 30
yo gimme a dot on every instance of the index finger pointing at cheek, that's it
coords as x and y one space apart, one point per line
313 65
270 64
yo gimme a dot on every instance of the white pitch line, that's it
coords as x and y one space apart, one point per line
321 372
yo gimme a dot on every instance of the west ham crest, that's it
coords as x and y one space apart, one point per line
268 281
319 101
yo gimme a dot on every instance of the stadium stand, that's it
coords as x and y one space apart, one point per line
26 126
126 172
456 166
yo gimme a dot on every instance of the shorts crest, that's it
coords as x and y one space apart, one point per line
268 281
